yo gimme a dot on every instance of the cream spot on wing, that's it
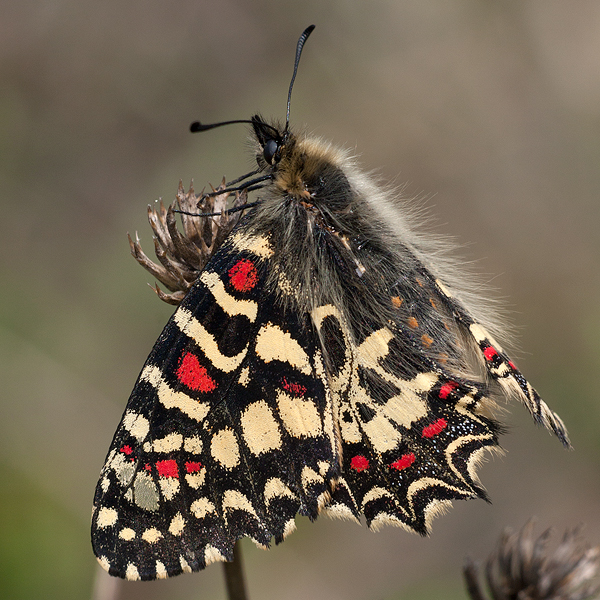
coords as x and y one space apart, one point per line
196 480
235 500
374 494
131 573
443 289
244 378
169 443
170 398
224 448
177 524
310 476
107 517
323 467
300 417
382 434
261 432
374 347
104 562
151 535
169 486
127 534
480 335
202 507
192 444
161 571
272 343
105 484
350 431
322 312
275 488
232 306
211 555
258 245
137 425
405 408
145 492
289 527
184 565
189 325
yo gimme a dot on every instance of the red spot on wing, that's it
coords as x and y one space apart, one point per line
512 365
403 462
293 388
490 353
193 467
243 275
167 468
191 373
126 450
447 388
434 428
359 463
148 467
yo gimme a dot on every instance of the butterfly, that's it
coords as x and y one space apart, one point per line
329 357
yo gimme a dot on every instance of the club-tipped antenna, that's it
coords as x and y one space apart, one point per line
196 126
301 41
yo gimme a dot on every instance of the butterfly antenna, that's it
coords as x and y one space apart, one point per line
299 46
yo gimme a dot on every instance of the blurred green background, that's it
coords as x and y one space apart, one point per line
490 110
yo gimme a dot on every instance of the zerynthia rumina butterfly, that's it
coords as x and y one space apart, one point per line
329 357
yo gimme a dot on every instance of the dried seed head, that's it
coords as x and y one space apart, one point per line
182 256
524 568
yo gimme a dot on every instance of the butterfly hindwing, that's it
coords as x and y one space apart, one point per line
228 432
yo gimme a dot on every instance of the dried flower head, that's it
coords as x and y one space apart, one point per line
524 568
183 255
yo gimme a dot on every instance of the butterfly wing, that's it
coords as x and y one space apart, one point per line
228 432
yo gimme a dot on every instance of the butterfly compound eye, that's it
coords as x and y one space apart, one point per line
269 150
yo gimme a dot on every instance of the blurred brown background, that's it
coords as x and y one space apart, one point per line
491 110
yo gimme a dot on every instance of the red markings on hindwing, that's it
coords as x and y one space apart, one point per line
126 450
243 275
167 468
434 428
359 463
403 462
293 388
193 467
192 374
447 389
490 353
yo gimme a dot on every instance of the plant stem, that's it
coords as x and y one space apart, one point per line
234 576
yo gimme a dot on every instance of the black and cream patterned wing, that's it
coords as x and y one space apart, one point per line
228 433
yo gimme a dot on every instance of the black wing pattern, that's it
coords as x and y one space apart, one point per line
247 413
